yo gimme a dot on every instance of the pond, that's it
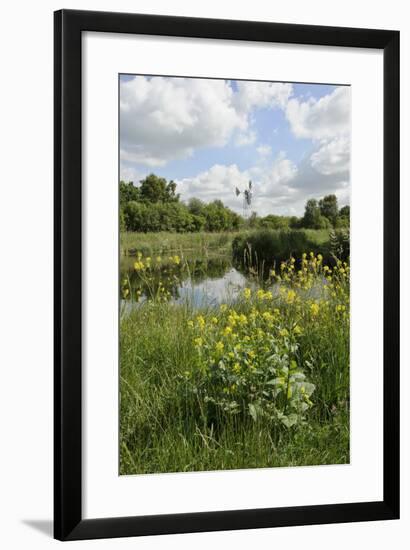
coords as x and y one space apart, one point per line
203 282
199 282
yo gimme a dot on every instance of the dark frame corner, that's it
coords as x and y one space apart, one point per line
68 522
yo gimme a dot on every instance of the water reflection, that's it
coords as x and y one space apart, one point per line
213 291
201 281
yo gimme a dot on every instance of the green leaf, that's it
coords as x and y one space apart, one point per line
290 420
252 411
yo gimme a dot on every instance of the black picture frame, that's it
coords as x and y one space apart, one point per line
68 521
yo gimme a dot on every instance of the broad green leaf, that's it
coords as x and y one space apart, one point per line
252 411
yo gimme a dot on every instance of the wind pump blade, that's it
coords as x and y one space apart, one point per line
237 191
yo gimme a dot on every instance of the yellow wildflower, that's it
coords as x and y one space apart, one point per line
232 320
190 324
314 309
219 346
290 298
200 321
227 331
267 315
242 319
260 294
223 307
247 293
198 342
253 315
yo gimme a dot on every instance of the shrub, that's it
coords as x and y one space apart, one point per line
264 248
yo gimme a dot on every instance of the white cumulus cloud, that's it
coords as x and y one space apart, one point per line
323 118
264 150
271 187
333 157
163 119
325 121
252 95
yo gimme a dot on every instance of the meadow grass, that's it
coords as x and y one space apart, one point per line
165 242
190 401
265 247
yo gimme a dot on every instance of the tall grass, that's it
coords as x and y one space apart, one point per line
267 247
165 242
167 423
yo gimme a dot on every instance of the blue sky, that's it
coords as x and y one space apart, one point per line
210 136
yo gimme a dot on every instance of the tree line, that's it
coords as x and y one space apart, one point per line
156 206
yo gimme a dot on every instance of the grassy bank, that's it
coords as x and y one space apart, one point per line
269 247
163 242
260 382
257 246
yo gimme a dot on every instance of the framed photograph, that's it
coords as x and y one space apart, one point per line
226 275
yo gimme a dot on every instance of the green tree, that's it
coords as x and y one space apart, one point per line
128 192
216 216
171 195
294 222
344 212
344 217
329 208
196 206
135 216
123 225
311 218
275 222
155 189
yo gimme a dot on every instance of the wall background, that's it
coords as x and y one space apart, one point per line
26 122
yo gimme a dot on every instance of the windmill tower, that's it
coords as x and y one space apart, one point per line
247 195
